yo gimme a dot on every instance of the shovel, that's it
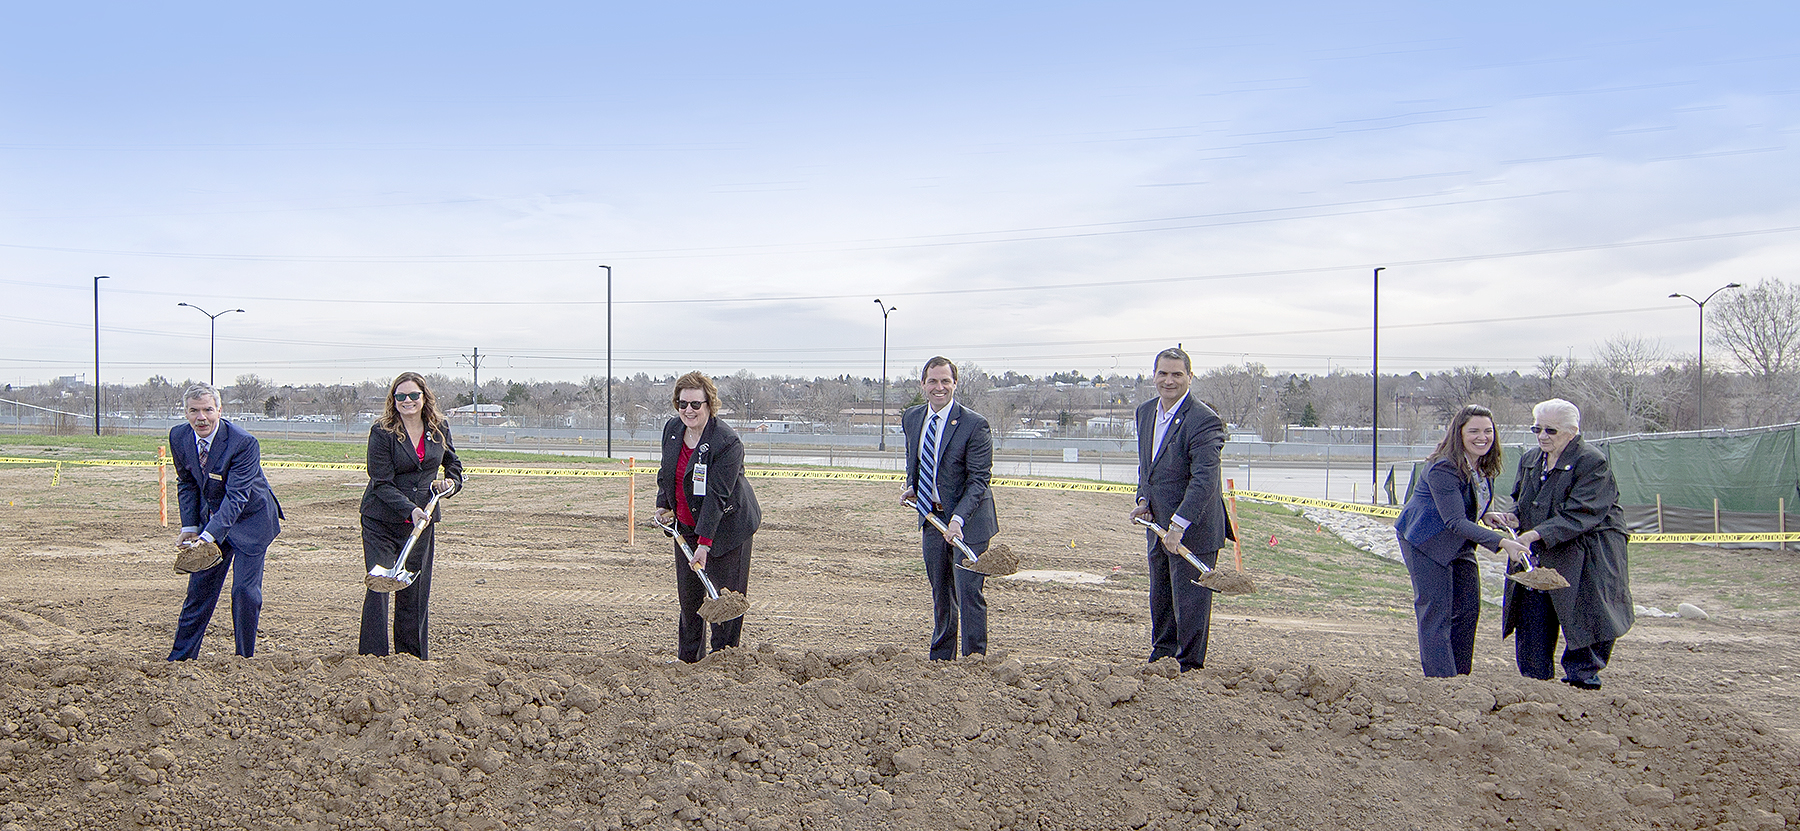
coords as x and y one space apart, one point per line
999 560
1542 579
1224 579
395 578
717 607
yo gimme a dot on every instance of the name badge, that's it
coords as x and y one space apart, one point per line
218 476
699 479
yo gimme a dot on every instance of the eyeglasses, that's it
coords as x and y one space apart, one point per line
408 396
1539 428
689 405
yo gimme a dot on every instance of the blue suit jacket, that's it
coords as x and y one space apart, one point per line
965 466
1439 518
230 500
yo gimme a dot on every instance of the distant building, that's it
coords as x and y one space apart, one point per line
490 414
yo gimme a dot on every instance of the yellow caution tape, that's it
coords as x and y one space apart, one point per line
895 476
1371 510
1770 536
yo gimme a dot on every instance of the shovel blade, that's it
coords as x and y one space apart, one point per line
729 605
386 580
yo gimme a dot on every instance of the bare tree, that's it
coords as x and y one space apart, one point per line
1235 392
1459 387
1628 387
1546 370
251 392
1760 327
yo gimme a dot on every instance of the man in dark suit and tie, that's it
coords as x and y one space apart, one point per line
949 458
1179 442
224 500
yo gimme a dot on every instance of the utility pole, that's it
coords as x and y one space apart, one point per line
474 362
1375 389
609 376
881 438
97 352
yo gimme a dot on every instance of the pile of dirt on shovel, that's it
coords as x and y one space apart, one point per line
779 738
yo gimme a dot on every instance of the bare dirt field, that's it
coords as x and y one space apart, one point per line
553 701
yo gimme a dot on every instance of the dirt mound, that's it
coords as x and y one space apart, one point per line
781 738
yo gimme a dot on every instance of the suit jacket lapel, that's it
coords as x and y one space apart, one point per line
952 416
1174 425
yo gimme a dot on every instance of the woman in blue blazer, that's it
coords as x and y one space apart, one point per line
1438 535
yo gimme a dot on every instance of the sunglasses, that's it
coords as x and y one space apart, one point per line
689 405
408 396
1538 428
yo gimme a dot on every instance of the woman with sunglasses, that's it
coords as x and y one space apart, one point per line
1566 507
701 485
407 446
1438 534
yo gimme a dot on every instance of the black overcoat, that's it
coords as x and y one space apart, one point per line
1575 508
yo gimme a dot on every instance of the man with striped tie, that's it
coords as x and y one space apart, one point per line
949 459
225 500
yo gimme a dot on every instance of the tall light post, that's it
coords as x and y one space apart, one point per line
1700 361
608 360
1375 388
212 350
97 352
881 438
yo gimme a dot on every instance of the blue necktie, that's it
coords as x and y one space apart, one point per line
928 463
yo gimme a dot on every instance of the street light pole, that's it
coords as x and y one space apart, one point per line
608 360
1375 388
1700 360
881 438
97 352
212 341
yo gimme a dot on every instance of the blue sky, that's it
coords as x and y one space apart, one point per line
1036 187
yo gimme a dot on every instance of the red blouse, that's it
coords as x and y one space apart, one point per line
682 512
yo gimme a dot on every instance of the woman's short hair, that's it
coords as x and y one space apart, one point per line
697 380
1557 413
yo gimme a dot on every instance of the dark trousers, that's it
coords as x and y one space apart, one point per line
382 542
246 567
1180 611
727 570
1534 642
955 597
1447 603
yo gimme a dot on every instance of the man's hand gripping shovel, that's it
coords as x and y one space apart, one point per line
999 560
1224 579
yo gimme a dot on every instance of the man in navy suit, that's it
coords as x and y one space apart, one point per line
1179 443
225 500
949 458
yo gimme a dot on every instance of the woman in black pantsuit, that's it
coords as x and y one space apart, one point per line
701 485
407 446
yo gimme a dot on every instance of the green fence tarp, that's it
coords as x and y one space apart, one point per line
1749 473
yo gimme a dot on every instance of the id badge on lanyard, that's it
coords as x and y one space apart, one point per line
699 471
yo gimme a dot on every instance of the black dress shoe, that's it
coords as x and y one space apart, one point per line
1582 685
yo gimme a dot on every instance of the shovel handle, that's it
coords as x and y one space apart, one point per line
1527 558
712 593
944 529
1179 548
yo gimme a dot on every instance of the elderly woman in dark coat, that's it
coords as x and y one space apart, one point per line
1566 507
